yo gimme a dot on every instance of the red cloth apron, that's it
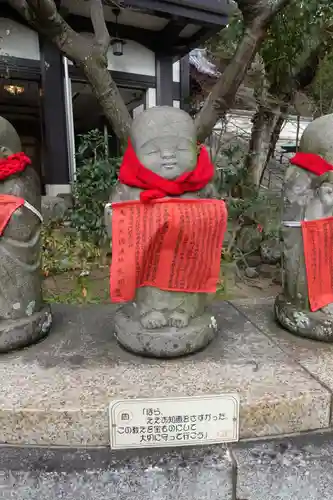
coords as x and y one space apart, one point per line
8 205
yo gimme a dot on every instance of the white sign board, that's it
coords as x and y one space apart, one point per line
188 421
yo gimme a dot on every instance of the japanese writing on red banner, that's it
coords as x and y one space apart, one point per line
318 245
172 244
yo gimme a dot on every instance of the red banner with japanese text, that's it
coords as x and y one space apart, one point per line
318 254
171 244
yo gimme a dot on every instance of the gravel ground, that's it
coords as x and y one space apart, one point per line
287 470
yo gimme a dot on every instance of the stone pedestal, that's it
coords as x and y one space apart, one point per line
312 325
168 342
15 334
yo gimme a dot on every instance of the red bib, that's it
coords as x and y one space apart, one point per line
8 205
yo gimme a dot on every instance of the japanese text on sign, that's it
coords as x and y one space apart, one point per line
174 422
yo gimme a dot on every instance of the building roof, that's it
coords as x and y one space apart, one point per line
170 26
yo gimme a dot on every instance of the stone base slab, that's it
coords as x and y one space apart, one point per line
168 342
315 357
26 331
57 392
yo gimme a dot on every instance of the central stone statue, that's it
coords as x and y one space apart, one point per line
24 319
164 162
305 307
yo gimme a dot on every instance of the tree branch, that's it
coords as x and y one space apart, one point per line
257 15
44 17
22 7
89 55
306 72
98 21
260 10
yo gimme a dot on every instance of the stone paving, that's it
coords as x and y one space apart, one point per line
299 469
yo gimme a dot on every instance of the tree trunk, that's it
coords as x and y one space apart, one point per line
274 138
264 123
85 53
224 91
109 97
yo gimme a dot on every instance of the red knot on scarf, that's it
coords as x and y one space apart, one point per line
13 164
312 163
133 173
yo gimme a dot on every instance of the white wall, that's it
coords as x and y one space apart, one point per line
176 71
17 40
136 59
150 98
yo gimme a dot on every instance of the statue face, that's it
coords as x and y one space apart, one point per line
325 193
169 156
298 186
164 139
9 140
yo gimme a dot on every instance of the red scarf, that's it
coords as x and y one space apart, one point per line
13 164
312 163
133 173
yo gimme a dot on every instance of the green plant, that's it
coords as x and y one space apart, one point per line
67 252
81 293
96 174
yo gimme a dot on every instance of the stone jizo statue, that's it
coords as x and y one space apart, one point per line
308 196
159 322
24 319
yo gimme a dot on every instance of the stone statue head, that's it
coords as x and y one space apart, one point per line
323 187
9 140
164 139
318 138
297 185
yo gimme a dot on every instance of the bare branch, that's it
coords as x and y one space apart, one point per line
86 54
43 16
257 16
260 11
99 24
306 72
224 91
22 7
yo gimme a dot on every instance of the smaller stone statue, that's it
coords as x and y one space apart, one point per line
308 196
24 319
162 162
